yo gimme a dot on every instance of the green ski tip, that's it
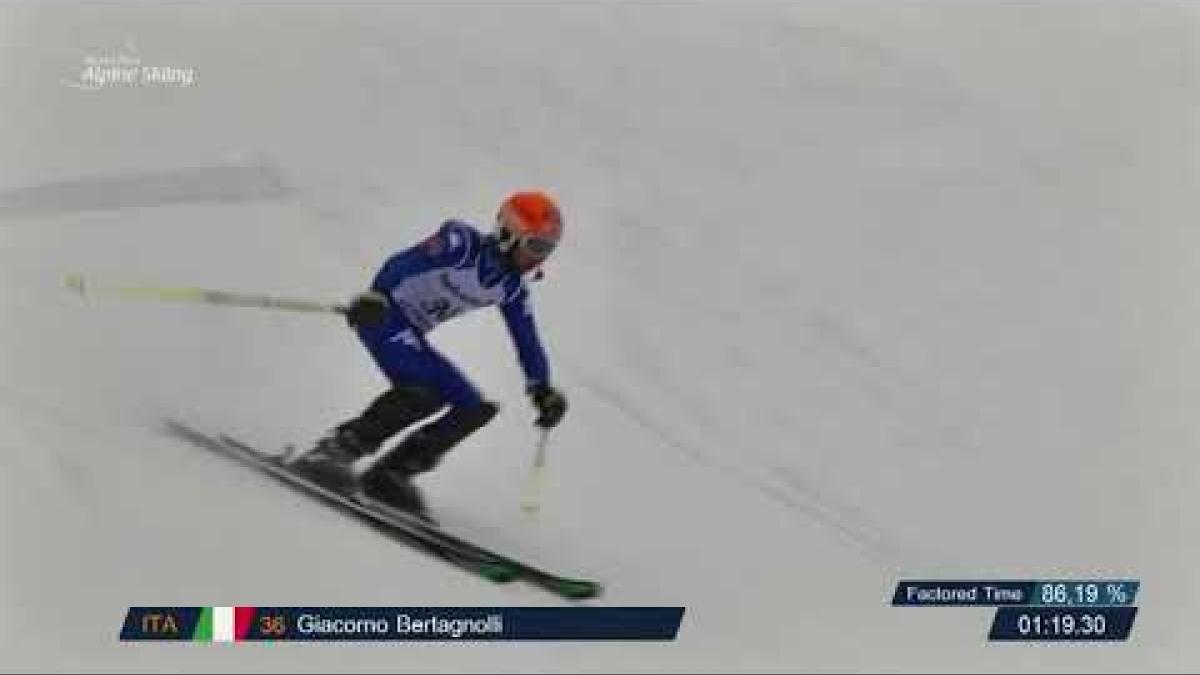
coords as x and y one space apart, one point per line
498 572
578 590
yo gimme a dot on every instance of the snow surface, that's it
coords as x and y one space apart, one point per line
851 292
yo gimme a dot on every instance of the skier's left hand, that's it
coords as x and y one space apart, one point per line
550 403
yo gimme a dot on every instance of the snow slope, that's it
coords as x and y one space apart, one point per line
851 292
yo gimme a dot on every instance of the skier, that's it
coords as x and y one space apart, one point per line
455 270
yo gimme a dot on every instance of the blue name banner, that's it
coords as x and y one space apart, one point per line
368 624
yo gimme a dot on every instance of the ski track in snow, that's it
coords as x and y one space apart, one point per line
783 485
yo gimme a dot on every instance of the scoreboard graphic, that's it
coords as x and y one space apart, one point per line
368 624
1036 611
1087 610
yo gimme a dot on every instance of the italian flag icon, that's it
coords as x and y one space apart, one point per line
223 624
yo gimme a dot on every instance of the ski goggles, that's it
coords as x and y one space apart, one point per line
536 246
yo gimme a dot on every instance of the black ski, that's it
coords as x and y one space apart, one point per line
397 524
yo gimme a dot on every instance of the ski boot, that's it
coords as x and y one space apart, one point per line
390 480
395 488
331 461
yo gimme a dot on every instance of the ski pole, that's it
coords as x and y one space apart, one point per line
77 283
531 501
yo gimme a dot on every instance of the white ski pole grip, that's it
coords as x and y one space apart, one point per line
531 501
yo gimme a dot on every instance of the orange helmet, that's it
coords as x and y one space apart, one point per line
529 220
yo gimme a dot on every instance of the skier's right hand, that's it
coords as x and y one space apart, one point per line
367 310
550 403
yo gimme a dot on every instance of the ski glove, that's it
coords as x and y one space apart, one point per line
368 310
550 403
